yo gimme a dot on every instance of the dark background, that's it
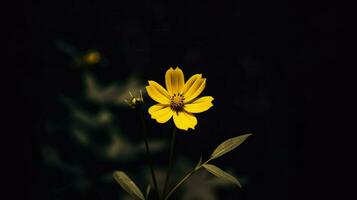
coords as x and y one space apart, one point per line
264 62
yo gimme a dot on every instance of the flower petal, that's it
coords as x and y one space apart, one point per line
196 89
174 80
184 120
199 105
157 94
190 82
156 108
159 88
161 113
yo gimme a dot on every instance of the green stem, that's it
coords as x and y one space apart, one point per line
171 158
148 156
188 175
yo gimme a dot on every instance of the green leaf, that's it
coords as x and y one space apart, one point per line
148 189
221 174
128 185
228 146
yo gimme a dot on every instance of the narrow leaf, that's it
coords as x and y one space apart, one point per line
148 189
221 174
228 146
199 163
128 185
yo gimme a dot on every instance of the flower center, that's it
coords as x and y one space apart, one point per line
176 103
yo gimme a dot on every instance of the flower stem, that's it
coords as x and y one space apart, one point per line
171 158
188 175
148 156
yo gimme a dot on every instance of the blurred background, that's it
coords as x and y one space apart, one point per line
82 57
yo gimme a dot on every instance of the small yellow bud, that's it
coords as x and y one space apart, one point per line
92 57
134 100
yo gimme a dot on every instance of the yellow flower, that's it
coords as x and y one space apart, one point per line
179 100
